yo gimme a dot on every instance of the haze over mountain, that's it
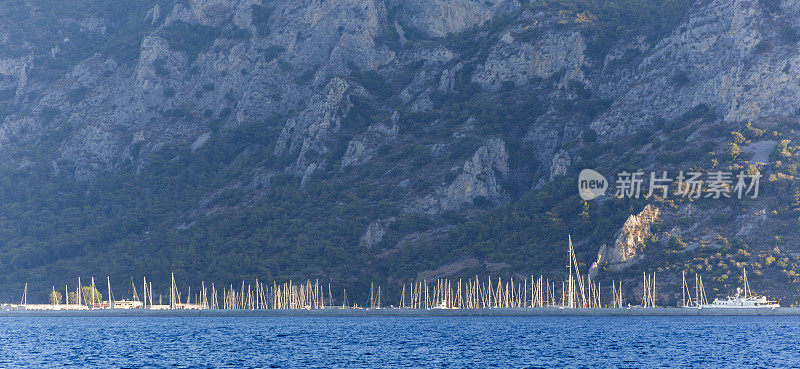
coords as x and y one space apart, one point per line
390 141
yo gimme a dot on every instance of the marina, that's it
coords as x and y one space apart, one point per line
576 295
396 312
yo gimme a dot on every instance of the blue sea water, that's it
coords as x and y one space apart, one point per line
354 342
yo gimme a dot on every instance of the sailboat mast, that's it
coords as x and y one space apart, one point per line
683 288
172 292
569 281
746 284
110 300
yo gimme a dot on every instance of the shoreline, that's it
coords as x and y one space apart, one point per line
391 312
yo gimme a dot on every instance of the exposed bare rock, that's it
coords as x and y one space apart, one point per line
307 173
627 242
441 17
328 35
358 152
715 50
447 79
560 164
321 116
22 82
305 134
212 12
375 232
157 62
434 65
519 62
478 177
153 14
93 24
361 149
200 141
760 150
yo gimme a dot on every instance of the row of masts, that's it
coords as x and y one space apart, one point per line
443 294
247 296
649 290
278 296
577 291
473 293
688 299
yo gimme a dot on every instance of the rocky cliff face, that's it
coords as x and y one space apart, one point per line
478 177
423 116
627 242
442 17
738 57
518 62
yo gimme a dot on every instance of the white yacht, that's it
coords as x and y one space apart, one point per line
442 305
741 301
744 299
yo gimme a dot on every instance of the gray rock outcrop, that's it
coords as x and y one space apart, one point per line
715 53
520 62
627 242
361 149
375 232
442 17
479 177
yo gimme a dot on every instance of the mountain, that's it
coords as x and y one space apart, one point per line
390 141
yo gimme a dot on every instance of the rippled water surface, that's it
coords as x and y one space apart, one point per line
346 342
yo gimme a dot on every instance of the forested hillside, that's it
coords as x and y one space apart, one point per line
391 141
